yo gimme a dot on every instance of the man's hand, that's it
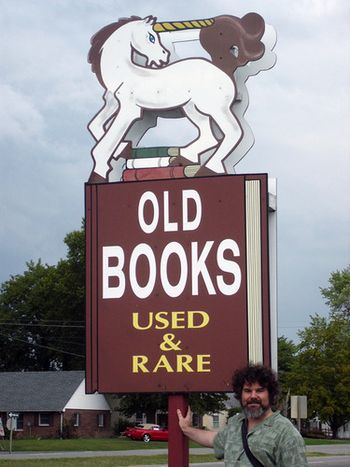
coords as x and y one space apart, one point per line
203 437
185 422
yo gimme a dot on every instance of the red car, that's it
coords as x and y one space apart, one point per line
147 432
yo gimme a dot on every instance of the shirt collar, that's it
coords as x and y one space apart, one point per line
268 421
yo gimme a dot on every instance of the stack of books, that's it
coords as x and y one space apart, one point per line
156 163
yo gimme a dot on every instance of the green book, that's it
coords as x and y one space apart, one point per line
150 152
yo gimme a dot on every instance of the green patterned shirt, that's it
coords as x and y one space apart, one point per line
274 442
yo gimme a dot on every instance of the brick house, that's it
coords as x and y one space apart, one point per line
53 404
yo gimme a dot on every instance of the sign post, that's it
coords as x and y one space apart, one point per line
178 453
11 425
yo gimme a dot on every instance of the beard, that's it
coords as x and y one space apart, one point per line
254 413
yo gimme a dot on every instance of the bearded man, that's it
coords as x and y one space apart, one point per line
258 436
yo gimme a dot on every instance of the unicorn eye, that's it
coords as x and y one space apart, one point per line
151 38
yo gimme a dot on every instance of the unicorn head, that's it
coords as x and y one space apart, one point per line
147 43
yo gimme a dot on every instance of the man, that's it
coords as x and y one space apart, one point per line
271 438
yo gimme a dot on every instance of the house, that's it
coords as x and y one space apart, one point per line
217 421
53 404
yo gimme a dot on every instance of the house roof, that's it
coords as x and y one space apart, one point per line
39 391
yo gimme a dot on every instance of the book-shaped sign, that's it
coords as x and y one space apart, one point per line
184 69
177 283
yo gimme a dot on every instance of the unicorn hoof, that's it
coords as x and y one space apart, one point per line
96 178
206 172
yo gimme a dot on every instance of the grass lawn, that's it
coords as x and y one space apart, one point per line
313 441
102 461
108 444
91 444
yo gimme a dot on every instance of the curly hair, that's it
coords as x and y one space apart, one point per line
256 374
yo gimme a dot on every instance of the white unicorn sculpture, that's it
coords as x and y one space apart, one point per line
204 92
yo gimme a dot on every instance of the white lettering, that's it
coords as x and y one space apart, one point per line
146 250
171 249
148 196
199 267
228 266
168 226
112 271
186 223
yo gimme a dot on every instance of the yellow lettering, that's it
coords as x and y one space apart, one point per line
139 363
135 322
203 360
177 317
183 362
164 321
163 363
191 319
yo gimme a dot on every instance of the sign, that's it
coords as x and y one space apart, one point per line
177 283
298 407
11 423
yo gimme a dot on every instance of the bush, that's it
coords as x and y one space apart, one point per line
69 431
121 425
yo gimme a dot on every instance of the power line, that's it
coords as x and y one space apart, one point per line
34 344
41 325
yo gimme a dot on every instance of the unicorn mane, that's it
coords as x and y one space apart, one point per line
97 41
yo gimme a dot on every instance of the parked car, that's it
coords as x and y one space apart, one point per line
147 432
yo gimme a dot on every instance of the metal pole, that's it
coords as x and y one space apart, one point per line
11 431
178 453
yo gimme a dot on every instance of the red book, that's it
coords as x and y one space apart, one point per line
154 173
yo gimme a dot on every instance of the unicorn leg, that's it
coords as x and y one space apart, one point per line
111 144
232 135
96 126
205 140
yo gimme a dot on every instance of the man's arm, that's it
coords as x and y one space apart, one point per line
203 437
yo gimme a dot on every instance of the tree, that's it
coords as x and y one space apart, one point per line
322 369
201 403
337 295
42 313
286 355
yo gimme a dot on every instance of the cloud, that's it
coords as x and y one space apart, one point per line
21 121
299 113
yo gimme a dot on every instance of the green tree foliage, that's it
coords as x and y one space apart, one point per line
42 313
337 295
286 355
208 403
321 369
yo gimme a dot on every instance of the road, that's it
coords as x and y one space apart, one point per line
331 460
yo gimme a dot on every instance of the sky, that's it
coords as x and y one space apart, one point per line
299 112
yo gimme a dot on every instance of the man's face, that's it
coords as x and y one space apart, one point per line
255 400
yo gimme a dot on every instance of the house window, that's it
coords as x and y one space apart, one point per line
19 422
76 419
215 420
101 420
44 419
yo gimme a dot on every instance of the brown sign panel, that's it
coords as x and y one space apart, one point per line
177 283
